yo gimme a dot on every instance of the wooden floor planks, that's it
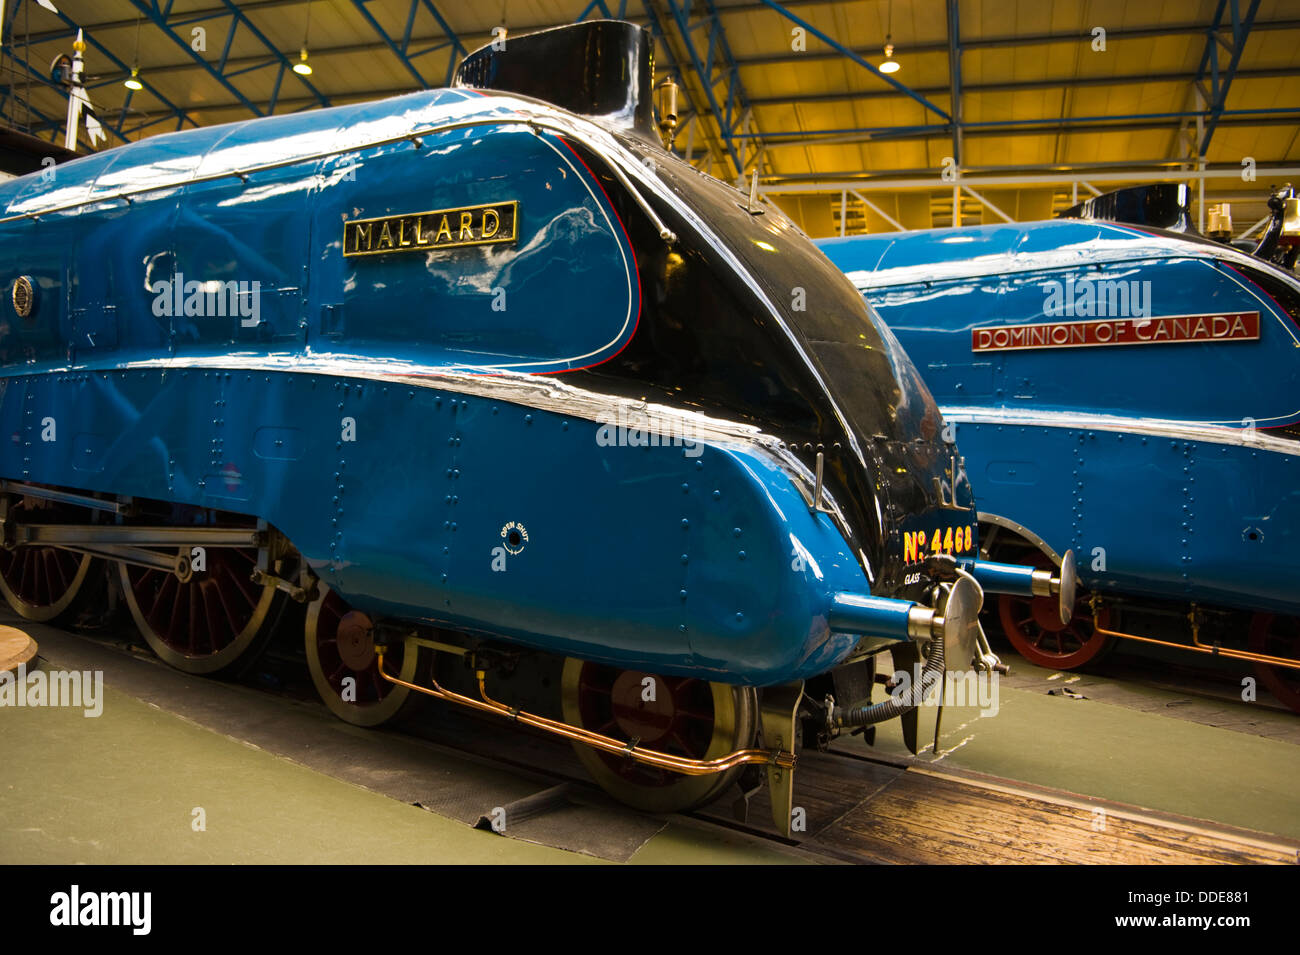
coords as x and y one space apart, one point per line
924 817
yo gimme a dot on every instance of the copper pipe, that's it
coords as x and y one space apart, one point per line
678 764
1202 648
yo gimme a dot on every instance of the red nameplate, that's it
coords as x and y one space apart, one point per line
1232 326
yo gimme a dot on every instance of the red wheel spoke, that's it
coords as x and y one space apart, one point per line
1033 625
1279 637
695 714
235 620
60 569
243 584
24 586
191 603
42 582
219 633
164 590
676 737
49 565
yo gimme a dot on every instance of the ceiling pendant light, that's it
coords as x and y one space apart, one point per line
132 82
890 65
302 67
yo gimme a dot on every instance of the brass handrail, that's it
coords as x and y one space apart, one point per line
1250 655
678 764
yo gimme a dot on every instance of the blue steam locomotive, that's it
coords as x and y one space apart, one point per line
1128 391
510 400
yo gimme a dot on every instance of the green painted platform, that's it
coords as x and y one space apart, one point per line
281 781
123 787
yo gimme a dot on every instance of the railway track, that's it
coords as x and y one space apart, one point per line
857 806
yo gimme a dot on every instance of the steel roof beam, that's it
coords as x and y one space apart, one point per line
402 50
717 56
845 51
240 16
47 122
458 48
247 64
812 137
158 17
90 38
1221 84
1010 87
941 131
399 52
674 69
954 78
966 44
1169 168
726 9
1064 178
969 44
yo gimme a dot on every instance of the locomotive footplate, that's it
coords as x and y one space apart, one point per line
168 548
131 544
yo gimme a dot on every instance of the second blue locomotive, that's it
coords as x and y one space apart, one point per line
1127 391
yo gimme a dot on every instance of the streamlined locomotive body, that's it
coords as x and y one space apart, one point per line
484 380
1127 391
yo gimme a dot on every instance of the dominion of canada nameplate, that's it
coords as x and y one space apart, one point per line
1156 330
441 229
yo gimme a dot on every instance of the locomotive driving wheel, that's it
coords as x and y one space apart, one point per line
46 584
1278 636
340 644
679 715
215 622
1033 625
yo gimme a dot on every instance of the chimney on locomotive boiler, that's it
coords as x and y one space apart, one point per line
600 68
